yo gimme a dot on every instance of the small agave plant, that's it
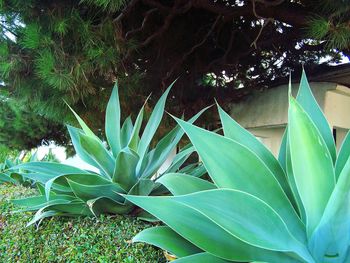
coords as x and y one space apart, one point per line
15 176
258 208
126 163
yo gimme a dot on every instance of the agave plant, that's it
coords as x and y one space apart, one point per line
17 176
126 163
292 209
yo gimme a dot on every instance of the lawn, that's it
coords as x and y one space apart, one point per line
80 239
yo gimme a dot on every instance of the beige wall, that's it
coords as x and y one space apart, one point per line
265 113
270 107
271 137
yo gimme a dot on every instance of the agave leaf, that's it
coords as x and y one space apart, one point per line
232 165
39 177
29 201
237 133
99 154
143 187
61 180
87 192
126 132
112 122
331 238
4 178
74 208
312 164
40 188
211 234
134 138
166 239
61 199
83 125
155 158
152 124
343 156
180 184
180 159
125 168
49 184
40 215
282 155
145 216
201 258
164 147
254 222
291 179
198 171
310 105
104 204
209 258
75 137
49 168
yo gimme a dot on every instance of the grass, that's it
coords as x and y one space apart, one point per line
81 239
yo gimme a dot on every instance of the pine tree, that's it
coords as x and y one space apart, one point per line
22 129
73 51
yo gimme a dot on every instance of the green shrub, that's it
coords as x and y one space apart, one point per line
295 209
127 165
17 176
102 239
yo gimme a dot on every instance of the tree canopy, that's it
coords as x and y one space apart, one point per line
71 50
20 129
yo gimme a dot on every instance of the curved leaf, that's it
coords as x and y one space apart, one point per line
311 107
142 187
333 230
237 133
112 122
152 124
49 168
232 165
311 163
179 159
211 236
166 239
162 150
201 258
99 154
125 132
343 156
134 137
125 168
61 180
104 204
87 192
180 184
83 125
74 135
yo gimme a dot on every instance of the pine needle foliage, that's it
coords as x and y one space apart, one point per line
54 51
21 129
332 24
109 5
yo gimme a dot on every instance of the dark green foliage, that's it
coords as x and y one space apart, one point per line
59 53
5 153
75 50
23 129
332 24
104 239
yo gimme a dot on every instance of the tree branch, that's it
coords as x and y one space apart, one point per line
184 57
125 11
129 34
290 13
